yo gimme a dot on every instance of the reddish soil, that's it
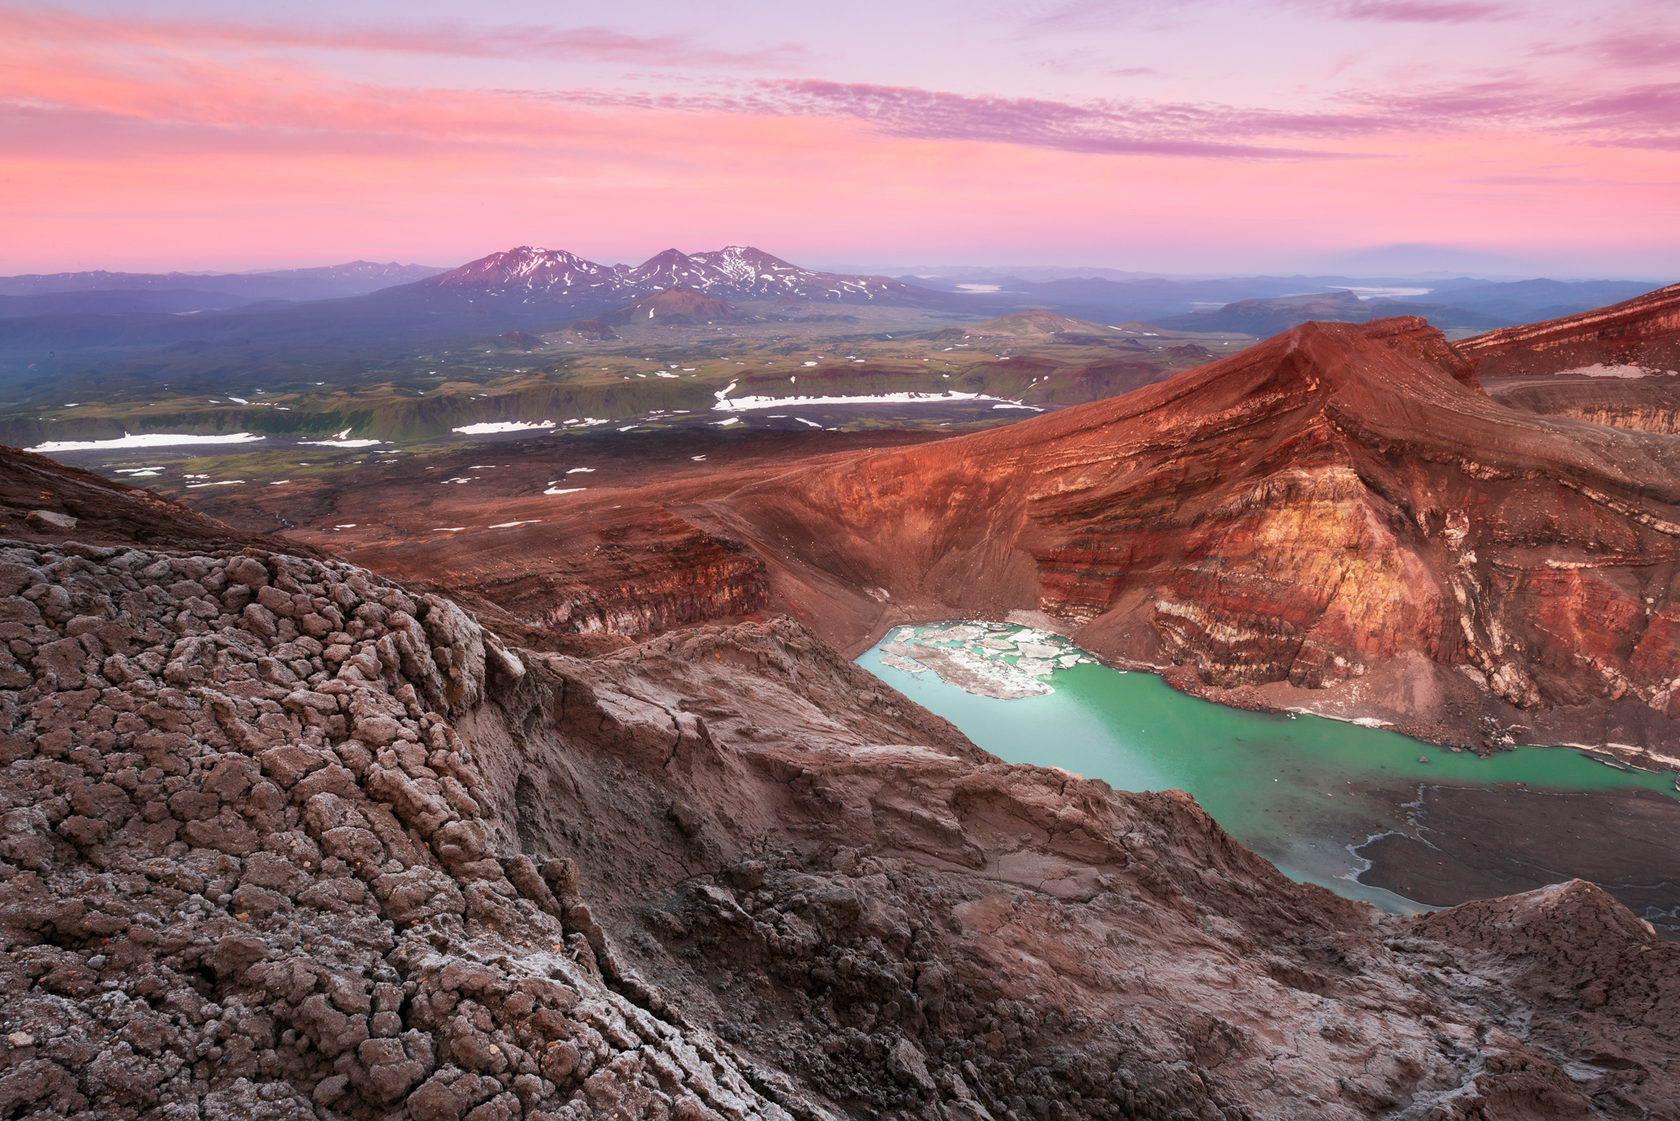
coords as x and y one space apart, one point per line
283 839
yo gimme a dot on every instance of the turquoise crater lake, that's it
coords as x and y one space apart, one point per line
1301 790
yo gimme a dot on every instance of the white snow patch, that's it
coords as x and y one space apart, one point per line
511 525
1602 370
337 443
563 490
490 427
142 440
749 404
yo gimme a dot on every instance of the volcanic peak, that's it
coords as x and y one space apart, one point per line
736 272
530 269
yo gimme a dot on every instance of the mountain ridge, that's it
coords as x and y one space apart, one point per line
1338 510
735 272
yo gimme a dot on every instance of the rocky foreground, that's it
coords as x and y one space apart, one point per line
282 839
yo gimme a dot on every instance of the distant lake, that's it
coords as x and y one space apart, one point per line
1303 791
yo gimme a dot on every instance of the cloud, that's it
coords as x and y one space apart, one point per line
1420 11
1635 50
1086 15
450 39
1097 127
1644 116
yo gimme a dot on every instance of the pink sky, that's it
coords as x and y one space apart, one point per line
1226 135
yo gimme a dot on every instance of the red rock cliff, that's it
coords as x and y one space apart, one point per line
1340 508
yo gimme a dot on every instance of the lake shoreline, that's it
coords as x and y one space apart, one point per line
1464 843
1363 810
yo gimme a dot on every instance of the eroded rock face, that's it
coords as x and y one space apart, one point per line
1338 517
1641 332
622 573
248 871
284 840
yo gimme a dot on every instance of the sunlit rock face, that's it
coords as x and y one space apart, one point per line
1641 333
1618 366
1339 513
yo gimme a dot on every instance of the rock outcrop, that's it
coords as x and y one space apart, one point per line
1338 518
1641 332
282 839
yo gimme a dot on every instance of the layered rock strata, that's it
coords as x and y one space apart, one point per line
281 839
1643 332
1337 518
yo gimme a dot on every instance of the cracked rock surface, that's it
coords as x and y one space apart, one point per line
279 839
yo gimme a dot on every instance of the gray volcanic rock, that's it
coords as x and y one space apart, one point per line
281 839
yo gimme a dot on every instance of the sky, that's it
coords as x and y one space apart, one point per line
1199 136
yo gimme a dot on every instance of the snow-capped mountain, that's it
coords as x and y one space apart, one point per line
528 272
737 272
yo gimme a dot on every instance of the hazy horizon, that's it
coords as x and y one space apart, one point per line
1384 263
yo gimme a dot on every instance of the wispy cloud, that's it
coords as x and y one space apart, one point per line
1098 127
1642 116
447 39
1101 127
1087 15
1420 11
1634 50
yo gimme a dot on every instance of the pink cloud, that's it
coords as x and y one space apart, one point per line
1636 50
454 39
1421 11
1096 127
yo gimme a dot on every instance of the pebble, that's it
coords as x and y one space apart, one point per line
20 1039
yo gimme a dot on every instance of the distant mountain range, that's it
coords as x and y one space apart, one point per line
177 292
65 324
1234 303
738 272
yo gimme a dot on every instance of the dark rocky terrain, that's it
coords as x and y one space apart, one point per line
283 839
